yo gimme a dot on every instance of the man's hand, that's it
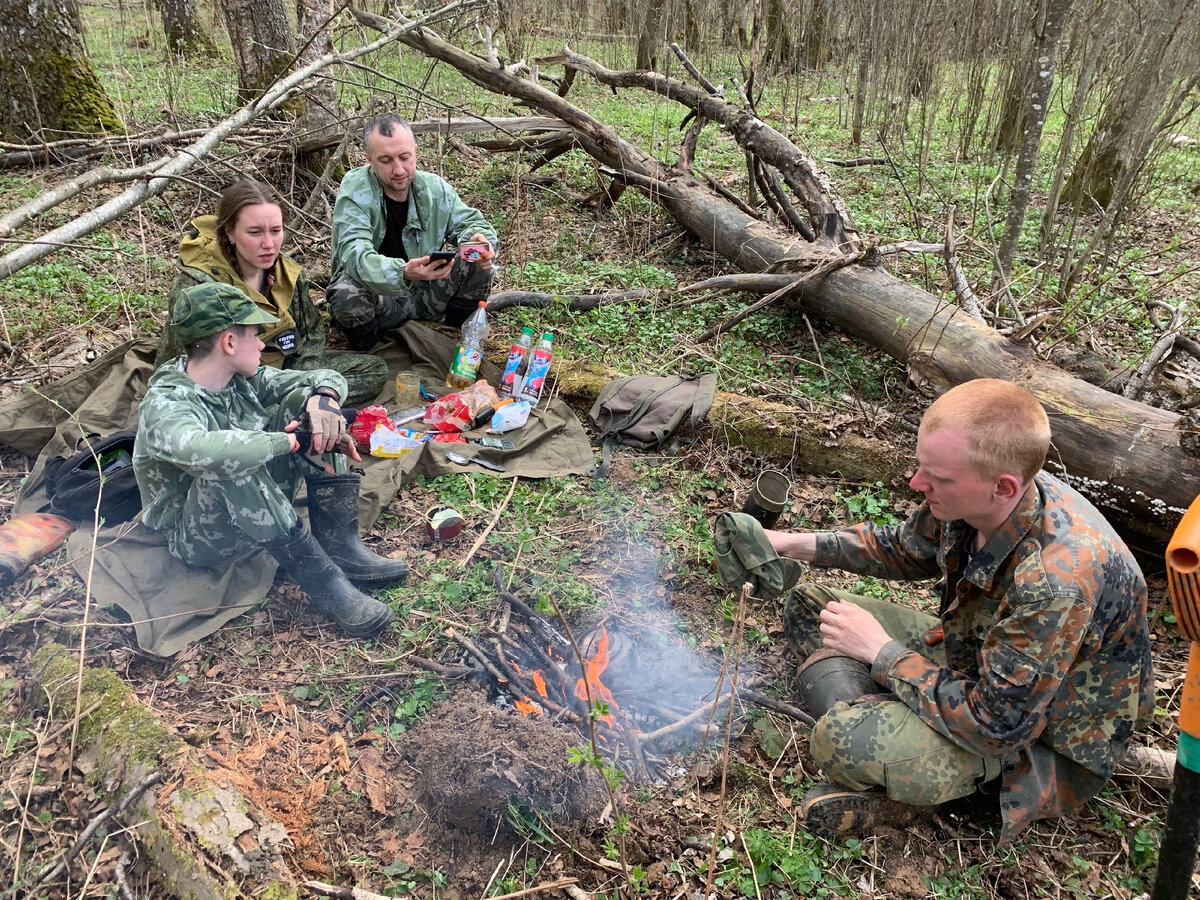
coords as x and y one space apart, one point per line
486 252
323 414
425 269
851 630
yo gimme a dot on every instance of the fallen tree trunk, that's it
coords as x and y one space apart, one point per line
1124 455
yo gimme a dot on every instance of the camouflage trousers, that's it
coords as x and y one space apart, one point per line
362 315
878 741
223 517
365 374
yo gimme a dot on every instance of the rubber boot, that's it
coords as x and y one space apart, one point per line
826 678
835 812
333 516
329 591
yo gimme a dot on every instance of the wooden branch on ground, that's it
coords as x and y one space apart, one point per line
51 872
785 709
574 302
341 892
790 290
962 289
744 281
1136 385
859 161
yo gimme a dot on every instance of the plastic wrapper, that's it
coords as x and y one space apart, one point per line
388 442
450 413
365 424
510 416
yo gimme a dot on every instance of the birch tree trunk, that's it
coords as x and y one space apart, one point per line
50 88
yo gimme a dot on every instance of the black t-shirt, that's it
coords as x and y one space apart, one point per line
396 212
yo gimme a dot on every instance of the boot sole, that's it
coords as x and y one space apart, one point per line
372 580
832 812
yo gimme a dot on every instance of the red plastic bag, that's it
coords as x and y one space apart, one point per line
368 420
450 413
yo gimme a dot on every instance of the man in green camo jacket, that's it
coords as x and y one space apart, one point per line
221 448
388 217
1034 675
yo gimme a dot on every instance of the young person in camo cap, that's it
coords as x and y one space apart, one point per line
222 446
387 219
242 245
1034 675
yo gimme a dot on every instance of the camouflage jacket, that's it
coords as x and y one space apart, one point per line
1045 639
298 338
185 431
436 215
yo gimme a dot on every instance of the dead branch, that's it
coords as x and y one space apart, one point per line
1137 382
560 884
574 302
339 892
708 86
51 872
479 656
790 290
496 518
859 161
778 706
189 156
962 289
745 281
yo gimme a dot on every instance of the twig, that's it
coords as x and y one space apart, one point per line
829 265
647 736
119 872
538 888
496 518
858 161
479 655
736 651
576 893
778 706
342 893
958 278
115 810
1138 381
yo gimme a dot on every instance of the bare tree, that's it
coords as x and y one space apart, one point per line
318 116
49 84
1148 93
650 36
1044 58
181 25
263 43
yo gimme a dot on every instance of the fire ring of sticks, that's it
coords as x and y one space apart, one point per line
638 700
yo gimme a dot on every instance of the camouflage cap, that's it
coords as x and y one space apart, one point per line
213 306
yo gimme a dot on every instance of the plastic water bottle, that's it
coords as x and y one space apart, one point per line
465 369
535 379
516 355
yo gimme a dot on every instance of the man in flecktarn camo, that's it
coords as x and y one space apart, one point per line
223 443
1030 681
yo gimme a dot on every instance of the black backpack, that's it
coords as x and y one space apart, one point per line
645 411
75 484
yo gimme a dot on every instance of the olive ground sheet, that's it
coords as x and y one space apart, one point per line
171 604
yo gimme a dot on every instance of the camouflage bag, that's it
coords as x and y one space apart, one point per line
645 411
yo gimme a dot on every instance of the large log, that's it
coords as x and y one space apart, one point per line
1124 455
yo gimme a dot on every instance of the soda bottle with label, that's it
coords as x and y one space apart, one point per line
516 355
535 379
464 371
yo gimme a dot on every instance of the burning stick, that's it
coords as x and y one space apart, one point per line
479 655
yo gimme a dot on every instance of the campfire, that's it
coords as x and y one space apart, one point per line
643 703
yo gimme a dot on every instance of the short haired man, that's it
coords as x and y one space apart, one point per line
1035 672
219 457
388 217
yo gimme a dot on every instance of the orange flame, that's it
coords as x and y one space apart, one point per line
526 707
592 669
538 681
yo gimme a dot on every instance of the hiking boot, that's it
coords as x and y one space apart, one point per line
333 516
836 813
826 678
329 591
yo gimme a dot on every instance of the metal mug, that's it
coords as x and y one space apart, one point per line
768 497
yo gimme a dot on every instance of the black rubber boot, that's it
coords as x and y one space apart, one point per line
333 516
827 678
329 591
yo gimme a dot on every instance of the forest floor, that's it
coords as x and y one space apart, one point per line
354 749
